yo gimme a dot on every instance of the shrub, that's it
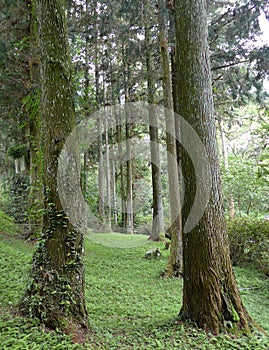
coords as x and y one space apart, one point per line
249 242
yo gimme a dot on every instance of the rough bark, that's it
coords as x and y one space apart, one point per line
210 295
34 132
157 220
174 267
56 292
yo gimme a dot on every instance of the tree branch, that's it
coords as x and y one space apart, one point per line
229 65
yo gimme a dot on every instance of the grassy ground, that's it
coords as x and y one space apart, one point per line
129 306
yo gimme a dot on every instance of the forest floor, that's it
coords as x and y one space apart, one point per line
129 305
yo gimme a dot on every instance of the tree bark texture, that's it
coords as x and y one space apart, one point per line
56 292
210 295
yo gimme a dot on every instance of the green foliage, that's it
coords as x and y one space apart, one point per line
18 191
129 306
243 182
245 169
18 151
249 242
31 104
7 225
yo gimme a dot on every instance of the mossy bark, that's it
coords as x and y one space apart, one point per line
35 135
55 293
210 295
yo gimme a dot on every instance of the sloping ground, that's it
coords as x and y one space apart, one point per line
7 225
129 306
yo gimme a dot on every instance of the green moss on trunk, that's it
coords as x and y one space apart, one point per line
55 293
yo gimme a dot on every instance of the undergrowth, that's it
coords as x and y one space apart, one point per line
129 306
7 225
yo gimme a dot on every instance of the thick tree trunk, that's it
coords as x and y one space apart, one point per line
36 194
56 293
210 295
174 267
157 219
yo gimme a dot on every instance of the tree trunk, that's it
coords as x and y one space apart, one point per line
157 219
56 293
121 169
129 222
101 182
129 181
174 267
108 177
226 165
210 295
99 121
114 192
34 131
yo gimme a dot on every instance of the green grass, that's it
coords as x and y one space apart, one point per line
129 306
118 240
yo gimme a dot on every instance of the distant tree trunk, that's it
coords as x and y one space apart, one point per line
129 181
157 219
226 165
114 192
56 292
108 177
84 177
101 180
174 267
174 89
210 295
129 222
121 169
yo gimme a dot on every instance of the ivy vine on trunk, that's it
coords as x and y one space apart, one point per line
55 294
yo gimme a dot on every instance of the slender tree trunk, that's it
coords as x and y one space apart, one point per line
129 223
56 292
157 219
101 180
174 267
129 181
175 91
226 165
108 177
210 295
114 192
121 169
84 177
